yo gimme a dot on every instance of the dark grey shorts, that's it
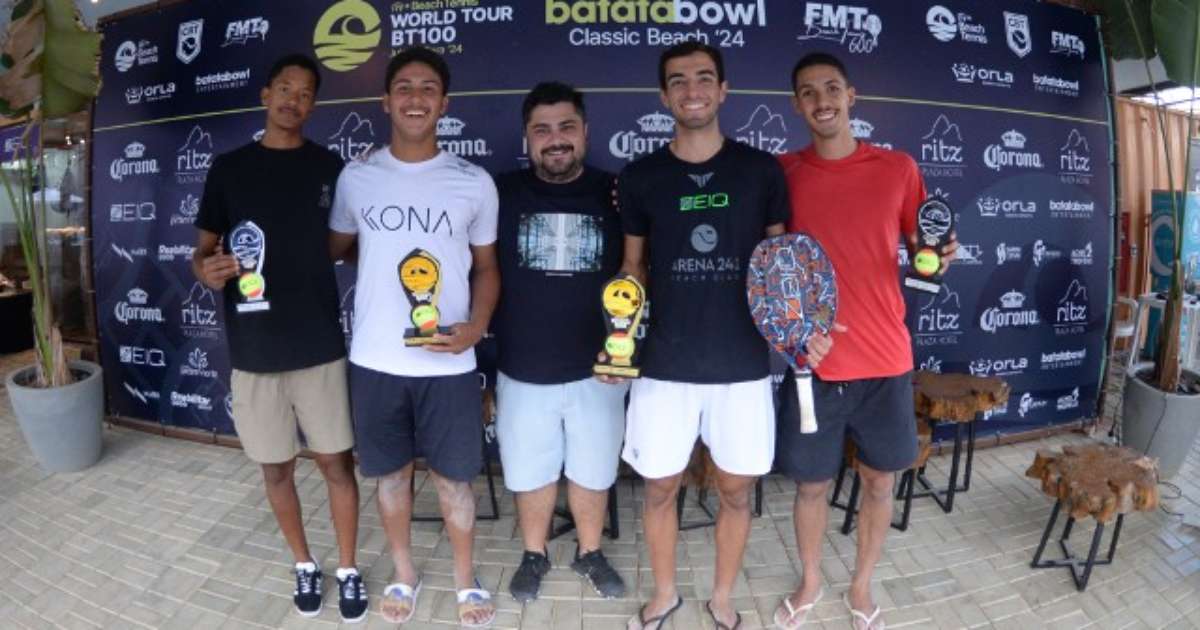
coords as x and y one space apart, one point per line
876 413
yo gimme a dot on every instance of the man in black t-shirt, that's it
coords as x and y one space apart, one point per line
267 204
559 241
700 205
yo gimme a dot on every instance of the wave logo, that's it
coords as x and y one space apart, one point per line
856 28
346 35
653 132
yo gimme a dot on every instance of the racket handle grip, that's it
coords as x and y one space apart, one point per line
808 413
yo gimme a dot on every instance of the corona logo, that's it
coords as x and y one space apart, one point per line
346 35
656 122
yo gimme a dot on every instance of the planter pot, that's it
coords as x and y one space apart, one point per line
62 425
1159 424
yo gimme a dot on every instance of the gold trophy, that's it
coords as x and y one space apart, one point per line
421 279
624 300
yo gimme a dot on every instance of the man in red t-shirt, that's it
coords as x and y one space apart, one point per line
857 200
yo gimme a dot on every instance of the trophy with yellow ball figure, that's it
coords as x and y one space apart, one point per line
248 244
421 279
623 301
935 221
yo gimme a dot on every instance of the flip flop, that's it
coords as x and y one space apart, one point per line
737 622
473 599
788 617
659 620
869 622
399 594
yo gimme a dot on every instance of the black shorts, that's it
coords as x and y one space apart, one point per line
399 418
877 413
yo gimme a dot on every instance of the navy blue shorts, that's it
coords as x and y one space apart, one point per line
877 413
400 418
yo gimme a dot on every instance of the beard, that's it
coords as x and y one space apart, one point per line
558 170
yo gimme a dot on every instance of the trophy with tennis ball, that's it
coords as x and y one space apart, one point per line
421 280
935 221
623 302
248 244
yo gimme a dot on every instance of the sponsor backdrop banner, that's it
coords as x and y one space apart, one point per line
1003 105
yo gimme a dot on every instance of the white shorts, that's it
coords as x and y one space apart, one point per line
735 420
545 430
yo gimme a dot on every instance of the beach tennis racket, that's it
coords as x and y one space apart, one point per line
792 292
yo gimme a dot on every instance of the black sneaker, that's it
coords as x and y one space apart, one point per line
307 596
352 598
604 579
527 581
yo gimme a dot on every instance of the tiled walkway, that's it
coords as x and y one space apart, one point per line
171 534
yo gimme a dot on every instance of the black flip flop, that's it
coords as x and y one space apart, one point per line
720 626
660 619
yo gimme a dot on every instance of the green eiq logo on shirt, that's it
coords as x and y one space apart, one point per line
703 201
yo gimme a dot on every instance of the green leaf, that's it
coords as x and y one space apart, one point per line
1175 33
1121 32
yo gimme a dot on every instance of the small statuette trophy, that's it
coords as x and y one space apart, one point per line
935 221
421 279
623 302
248 244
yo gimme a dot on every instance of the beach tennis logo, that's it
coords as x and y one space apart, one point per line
346 35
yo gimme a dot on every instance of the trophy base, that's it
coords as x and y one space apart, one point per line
414 338
253 307
921 284
627 371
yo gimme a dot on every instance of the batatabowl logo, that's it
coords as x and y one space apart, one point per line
1016 33
947 26
1071 209
452 137
198 313
142 395
197 365
685 12
1010 314
1075 160
991 207
1008 366
238 32
193 158
939 320
346 35
353 137
128 254
1051 84
130 54
1071 313
134 308
189 208
764 130
142 356
970 74
132 212
223 80
856 28
864 131
187 46
1067 45
942 150
1011 153
133 163
651 132
1063 359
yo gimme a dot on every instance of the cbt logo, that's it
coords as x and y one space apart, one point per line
187 47
346 35
1016 33
654 132
854 27
764 130
942 150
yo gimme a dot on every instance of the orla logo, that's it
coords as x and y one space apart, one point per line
130 53
938 321
1016 33
942 150
856 28
133 308
194 157
710 12
187 47
189 207
1028 404
990 207
143 356
202 403
346 35
1011 154
242 31
1063 359
1070 401
133 163
132 212
970 73
1006 253
1075 160
1083 256
353 137
946 26
1067 44
998 367
138 94
1010 314
450 138
654 131
197 365
1071 209
198 313
1071 313
764 130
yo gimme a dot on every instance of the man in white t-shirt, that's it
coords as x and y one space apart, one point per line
413 208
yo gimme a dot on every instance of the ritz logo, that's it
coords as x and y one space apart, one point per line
1075 160
939 320
346 35
450 132
854 27
198 313
1011 154
1010 314
354 137
630 145
194 157
765 130
942 150
1071 314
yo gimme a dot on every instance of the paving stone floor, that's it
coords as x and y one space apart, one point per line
170 534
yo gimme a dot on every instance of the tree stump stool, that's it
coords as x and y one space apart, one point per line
961 399
904 490
1096 480
701 473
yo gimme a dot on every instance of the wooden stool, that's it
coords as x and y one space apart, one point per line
904 490
701 472
1096 480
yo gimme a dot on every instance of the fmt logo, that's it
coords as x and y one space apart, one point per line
355 136
703 202
347 35
938 322
148 357
854 27
1071 315
242 31
187 48
1011 154
1067 44
970 73
132 212
194 157
746 13
449 133
1010 314
945 25
764 130
942 149
134 163
630 145
134 309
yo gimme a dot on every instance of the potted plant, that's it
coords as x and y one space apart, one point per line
50 69
1162 402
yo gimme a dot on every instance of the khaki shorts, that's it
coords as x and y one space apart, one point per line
268 408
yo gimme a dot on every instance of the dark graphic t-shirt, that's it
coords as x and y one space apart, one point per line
701 223
557 245
288 193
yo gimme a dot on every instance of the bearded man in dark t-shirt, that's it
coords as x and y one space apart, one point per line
264 242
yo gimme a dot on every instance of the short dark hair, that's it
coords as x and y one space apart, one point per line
418 54
296 60
818 59
552 93
683 49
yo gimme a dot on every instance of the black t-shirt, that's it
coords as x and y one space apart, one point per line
701 223
288 193
557 245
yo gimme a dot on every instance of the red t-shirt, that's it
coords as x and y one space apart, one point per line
857 208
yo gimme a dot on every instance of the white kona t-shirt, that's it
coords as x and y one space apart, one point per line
442 205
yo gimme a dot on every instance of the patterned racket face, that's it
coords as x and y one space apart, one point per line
792 291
